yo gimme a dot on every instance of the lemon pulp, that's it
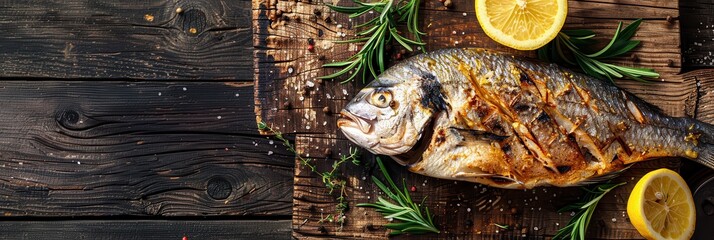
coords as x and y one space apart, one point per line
522 24
661 206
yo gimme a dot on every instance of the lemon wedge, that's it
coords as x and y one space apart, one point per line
521 24
661 206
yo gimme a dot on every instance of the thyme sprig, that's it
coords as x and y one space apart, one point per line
585 208
413 219
570 45
330 178
377 34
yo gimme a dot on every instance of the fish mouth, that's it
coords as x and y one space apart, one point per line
348 119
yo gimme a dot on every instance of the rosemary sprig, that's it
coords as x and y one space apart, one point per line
330 179
578 225
413 218
377 34
568 46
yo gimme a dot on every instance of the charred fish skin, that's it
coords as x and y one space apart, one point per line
509 122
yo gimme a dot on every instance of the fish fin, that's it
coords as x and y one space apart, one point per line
705 155
604 177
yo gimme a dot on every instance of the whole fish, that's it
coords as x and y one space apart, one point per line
480 116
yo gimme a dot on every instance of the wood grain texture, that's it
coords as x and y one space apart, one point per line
451 200
134 39
146 229
285 68
463 210
704 81
137 148
697 33
289 96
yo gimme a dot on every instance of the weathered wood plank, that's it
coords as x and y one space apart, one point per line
137 39
146 229
704 80
289 96
142 149
457 27
450 201
285 69
463 210
697 33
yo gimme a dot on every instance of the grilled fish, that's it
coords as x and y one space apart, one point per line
480 116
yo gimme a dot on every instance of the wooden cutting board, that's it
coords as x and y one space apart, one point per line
289 98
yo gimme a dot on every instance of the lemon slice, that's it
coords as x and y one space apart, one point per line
521 24
661 206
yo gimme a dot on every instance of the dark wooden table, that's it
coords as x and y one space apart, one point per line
137 119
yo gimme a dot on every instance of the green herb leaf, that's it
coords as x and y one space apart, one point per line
568 46
585 208
381 31
405 210
330 179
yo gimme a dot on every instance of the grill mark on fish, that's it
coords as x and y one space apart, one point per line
506 148
440 137
494 124
563 169
633 109
480 135
521 107
543 117
582 138
525 79
512 115
618 138
533 145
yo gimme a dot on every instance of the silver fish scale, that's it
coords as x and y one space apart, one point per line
513 123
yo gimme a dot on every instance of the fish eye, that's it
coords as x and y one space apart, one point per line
381 98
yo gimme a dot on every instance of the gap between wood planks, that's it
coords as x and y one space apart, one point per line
146 229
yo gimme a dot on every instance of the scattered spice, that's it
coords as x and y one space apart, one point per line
149 17
331 179
578 225
378 35
414 219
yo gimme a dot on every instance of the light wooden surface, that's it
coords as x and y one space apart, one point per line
285 69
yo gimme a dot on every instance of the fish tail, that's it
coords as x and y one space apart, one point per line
705 152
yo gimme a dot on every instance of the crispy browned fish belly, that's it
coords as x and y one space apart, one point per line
480 116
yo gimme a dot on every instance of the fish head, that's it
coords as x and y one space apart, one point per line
386 117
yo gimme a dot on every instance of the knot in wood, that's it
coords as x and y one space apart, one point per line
68 117
219 188
193 21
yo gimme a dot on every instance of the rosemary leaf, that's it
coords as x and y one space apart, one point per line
578 225
331 179
569 48
404 210
381 32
